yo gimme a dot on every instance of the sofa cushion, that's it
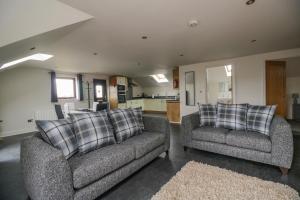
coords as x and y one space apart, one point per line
207 114
60 134
138 114
124 123
93 130
232 116
145 142
259 118
96 164
210 134
249 140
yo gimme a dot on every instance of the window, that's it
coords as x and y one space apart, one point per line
160 78
99 91
66 88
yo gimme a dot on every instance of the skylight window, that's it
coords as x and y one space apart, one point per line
160 78
38 56
228 69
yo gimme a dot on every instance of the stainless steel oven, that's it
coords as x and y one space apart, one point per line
121 94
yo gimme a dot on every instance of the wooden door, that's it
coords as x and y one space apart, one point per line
276 86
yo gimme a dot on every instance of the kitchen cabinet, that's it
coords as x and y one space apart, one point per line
135 103
156 105
122 105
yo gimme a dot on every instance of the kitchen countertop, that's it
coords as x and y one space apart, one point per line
173 101
156 97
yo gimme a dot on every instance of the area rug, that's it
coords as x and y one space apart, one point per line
196 181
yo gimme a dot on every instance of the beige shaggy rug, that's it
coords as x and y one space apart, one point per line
197 181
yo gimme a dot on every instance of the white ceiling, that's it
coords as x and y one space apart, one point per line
225 30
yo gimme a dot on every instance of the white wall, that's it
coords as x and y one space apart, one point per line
25 94
248 78
161 90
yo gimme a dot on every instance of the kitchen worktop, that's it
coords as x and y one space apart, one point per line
156 97
173 101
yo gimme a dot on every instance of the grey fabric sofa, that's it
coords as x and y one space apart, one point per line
276 149
48 175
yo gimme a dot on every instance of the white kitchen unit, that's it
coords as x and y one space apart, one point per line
155 105
135 103
122 105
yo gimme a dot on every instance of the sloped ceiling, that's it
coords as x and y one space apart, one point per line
225 30
23 19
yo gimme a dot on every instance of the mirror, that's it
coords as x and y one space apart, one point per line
190 88
219 84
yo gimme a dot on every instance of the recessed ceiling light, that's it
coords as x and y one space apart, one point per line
249 2
252 41
38 56
160 78
144 37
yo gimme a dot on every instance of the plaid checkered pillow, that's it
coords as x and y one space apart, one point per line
124 123
60 134
138 113
259 118
93 130
232 116
207 114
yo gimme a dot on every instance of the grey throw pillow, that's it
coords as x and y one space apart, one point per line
124 123
208 114
93 130
259 118
60 134
232 116
138 114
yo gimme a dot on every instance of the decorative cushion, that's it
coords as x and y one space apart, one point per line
259 118
124 123
232 116
93 130
138 113
207 114
60 134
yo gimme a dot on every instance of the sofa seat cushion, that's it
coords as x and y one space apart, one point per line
210 134
145 142
92 166
249 140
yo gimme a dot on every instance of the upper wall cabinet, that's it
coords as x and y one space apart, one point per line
176 78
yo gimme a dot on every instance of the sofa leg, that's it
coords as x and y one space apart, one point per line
284 170
184 148
167 153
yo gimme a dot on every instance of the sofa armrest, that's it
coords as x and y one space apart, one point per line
158 124
282 142
46 172
189 123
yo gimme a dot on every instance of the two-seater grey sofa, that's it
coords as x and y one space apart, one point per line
275 149
48 175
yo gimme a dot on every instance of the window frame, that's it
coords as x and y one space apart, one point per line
74 87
